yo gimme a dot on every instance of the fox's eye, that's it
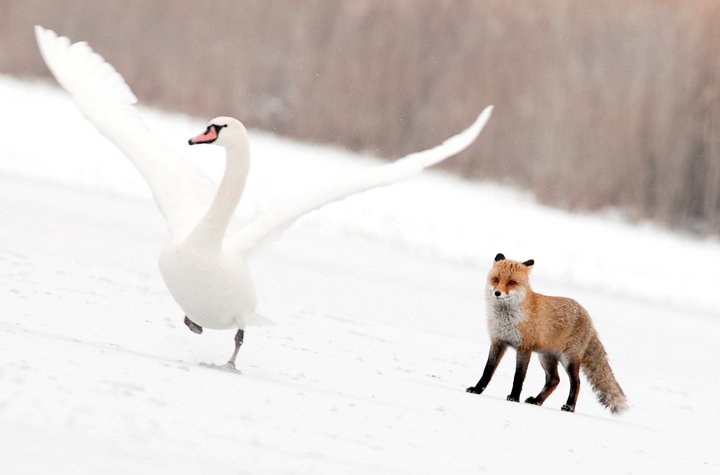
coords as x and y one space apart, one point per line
512 282
496 280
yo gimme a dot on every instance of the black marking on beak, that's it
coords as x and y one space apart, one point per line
215 127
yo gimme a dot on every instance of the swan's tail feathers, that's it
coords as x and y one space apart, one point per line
251 236
258 320
182 191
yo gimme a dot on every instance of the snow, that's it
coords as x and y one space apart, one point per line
380 323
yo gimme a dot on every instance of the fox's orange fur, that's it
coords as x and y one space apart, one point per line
557 328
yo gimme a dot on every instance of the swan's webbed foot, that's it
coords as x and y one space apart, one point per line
229 367
194 327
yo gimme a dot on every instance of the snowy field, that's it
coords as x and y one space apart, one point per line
380 323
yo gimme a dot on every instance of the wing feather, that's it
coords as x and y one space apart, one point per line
260 229
181 190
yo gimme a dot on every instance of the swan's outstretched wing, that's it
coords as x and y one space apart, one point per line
255 232
182 191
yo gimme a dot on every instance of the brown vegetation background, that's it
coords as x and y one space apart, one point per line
598 102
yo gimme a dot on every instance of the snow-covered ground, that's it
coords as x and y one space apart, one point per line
380 323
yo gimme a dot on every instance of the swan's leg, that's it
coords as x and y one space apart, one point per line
239 336
194 327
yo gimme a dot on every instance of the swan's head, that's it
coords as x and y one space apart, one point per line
221 131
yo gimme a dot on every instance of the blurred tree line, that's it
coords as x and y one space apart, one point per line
598 103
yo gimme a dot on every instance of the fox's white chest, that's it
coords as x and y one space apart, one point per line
214 293
503 319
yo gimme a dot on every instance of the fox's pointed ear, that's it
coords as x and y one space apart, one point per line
529 263
499 257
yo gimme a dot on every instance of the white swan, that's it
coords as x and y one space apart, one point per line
204 268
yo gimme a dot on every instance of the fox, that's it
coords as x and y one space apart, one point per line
557 328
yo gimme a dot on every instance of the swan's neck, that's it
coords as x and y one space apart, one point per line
210 231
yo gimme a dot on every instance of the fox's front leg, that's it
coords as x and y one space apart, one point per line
497 350
521 366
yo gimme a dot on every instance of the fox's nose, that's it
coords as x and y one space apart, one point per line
498 293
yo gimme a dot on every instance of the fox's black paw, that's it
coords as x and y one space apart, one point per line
512 398
474 390
532 400
567 408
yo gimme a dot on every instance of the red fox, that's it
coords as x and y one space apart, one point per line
558 328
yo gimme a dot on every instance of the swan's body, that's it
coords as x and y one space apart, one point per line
205 267
209 279
215 290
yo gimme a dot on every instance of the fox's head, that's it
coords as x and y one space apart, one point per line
508 280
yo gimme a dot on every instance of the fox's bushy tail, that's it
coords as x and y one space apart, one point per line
598 372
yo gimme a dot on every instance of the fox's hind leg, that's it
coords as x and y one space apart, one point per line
549 363
572 366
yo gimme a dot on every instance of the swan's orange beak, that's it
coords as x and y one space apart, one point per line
209 136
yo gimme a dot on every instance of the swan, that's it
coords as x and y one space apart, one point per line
203 264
